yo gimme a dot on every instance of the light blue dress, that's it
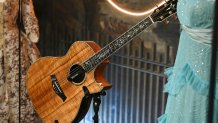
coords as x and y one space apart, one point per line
188 80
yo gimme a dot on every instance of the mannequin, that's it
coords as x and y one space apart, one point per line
9 60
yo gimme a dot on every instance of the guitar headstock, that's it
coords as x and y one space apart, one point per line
164 11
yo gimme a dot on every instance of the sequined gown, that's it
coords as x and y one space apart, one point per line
188 80
9 60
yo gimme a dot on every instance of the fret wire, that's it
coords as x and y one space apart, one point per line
115 45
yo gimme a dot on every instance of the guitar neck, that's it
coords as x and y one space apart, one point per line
115 45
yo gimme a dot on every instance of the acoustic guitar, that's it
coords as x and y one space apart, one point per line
57 86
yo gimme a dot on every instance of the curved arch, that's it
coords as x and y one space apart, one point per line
131 12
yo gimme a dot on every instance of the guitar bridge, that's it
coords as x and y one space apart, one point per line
57 88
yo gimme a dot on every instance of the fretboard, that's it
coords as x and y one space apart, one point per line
115 45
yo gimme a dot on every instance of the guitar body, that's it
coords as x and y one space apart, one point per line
44 75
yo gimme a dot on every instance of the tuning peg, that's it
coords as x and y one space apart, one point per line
167 21
161 17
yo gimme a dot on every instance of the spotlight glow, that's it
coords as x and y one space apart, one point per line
131 12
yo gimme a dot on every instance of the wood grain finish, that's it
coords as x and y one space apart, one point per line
47 103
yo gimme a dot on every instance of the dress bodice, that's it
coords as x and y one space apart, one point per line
197 16
196 13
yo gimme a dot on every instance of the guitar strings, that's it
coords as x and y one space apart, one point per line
75 70
71 73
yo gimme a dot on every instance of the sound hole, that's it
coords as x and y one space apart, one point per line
76 74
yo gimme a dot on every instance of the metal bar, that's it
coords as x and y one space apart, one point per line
144 61
150 99
136 69
144 99
156 98
213 71
127 91
122 80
